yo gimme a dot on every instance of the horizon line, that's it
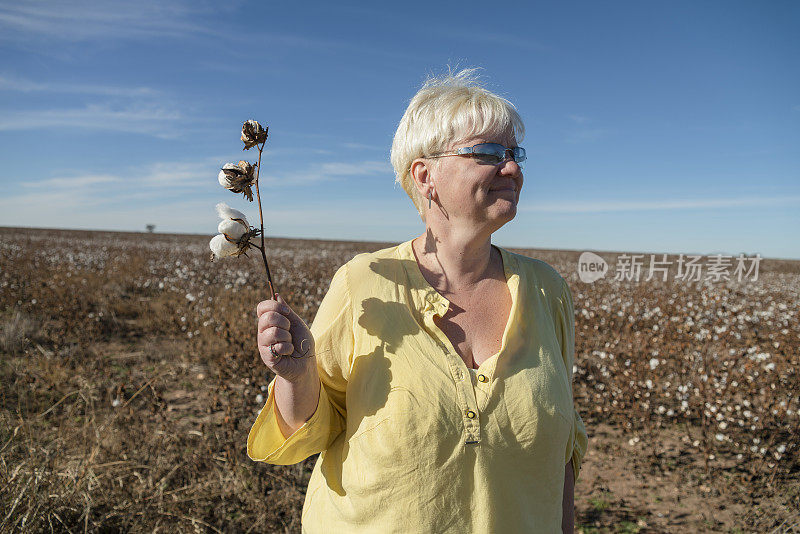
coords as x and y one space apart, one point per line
391 241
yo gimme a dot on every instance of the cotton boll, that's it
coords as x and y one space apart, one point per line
221 247
223 178
233 229
238 178
226 212
253 133
235 233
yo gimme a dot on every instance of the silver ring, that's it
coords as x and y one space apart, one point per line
272 350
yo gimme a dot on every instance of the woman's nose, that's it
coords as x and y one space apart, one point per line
509 166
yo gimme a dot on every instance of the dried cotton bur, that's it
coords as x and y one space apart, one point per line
235 233
238 178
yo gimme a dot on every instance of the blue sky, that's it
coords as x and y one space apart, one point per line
656 127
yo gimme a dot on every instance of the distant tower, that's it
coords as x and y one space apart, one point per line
150 228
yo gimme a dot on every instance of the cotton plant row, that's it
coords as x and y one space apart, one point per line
235 233
737 391
739 410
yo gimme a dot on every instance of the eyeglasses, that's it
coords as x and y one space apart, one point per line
490 153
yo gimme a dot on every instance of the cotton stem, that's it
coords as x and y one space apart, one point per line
272 293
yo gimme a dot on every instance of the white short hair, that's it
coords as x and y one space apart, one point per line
446 110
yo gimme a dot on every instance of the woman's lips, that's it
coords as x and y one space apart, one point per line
509 186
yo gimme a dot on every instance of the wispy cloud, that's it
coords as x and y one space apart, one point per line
326 171
114 20
150 119
362 146
579 119
74 181
176 173
355 169
650 205
582 129
148 181
296 151
68 209
491 38
587 135
180 195
77 20
11 83
124 109
141 183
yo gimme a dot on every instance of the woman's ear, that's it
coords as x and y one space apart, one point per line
421 174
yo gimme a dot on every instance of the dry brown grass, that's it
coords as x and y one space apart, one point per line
15 330
130 378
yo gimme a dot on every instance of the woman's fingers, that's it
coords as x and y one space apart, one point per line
270 305
273 318
274 342
282 349
280 307
274 335
289 312
281 332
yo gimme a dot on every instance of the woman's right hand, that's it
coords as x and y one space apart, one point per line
289 336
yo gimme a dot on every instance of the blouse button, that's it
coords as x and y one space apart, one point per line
470 414
482 378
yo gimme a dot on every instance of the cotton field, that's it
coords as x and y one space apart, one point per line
130 380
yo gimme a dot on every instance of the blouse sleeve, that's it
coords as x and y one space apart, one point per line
333 336
578 441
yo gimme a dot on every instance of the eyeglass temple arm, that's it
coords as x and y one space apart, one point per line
458 152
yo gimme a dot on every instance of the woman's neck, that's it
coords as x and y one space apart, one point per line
457 261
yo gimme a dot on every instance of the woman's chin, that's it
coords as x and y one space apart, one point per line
506 202
505 210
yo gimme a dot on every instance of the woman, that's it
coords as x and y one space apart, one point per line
435 380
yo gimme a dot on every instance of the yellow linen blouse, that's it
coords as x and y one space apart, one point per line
409 439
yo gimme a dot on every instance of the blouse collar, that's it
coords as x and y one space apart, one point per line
428 301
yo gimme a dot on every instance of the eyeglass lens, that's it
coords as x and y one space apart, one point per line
498 152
